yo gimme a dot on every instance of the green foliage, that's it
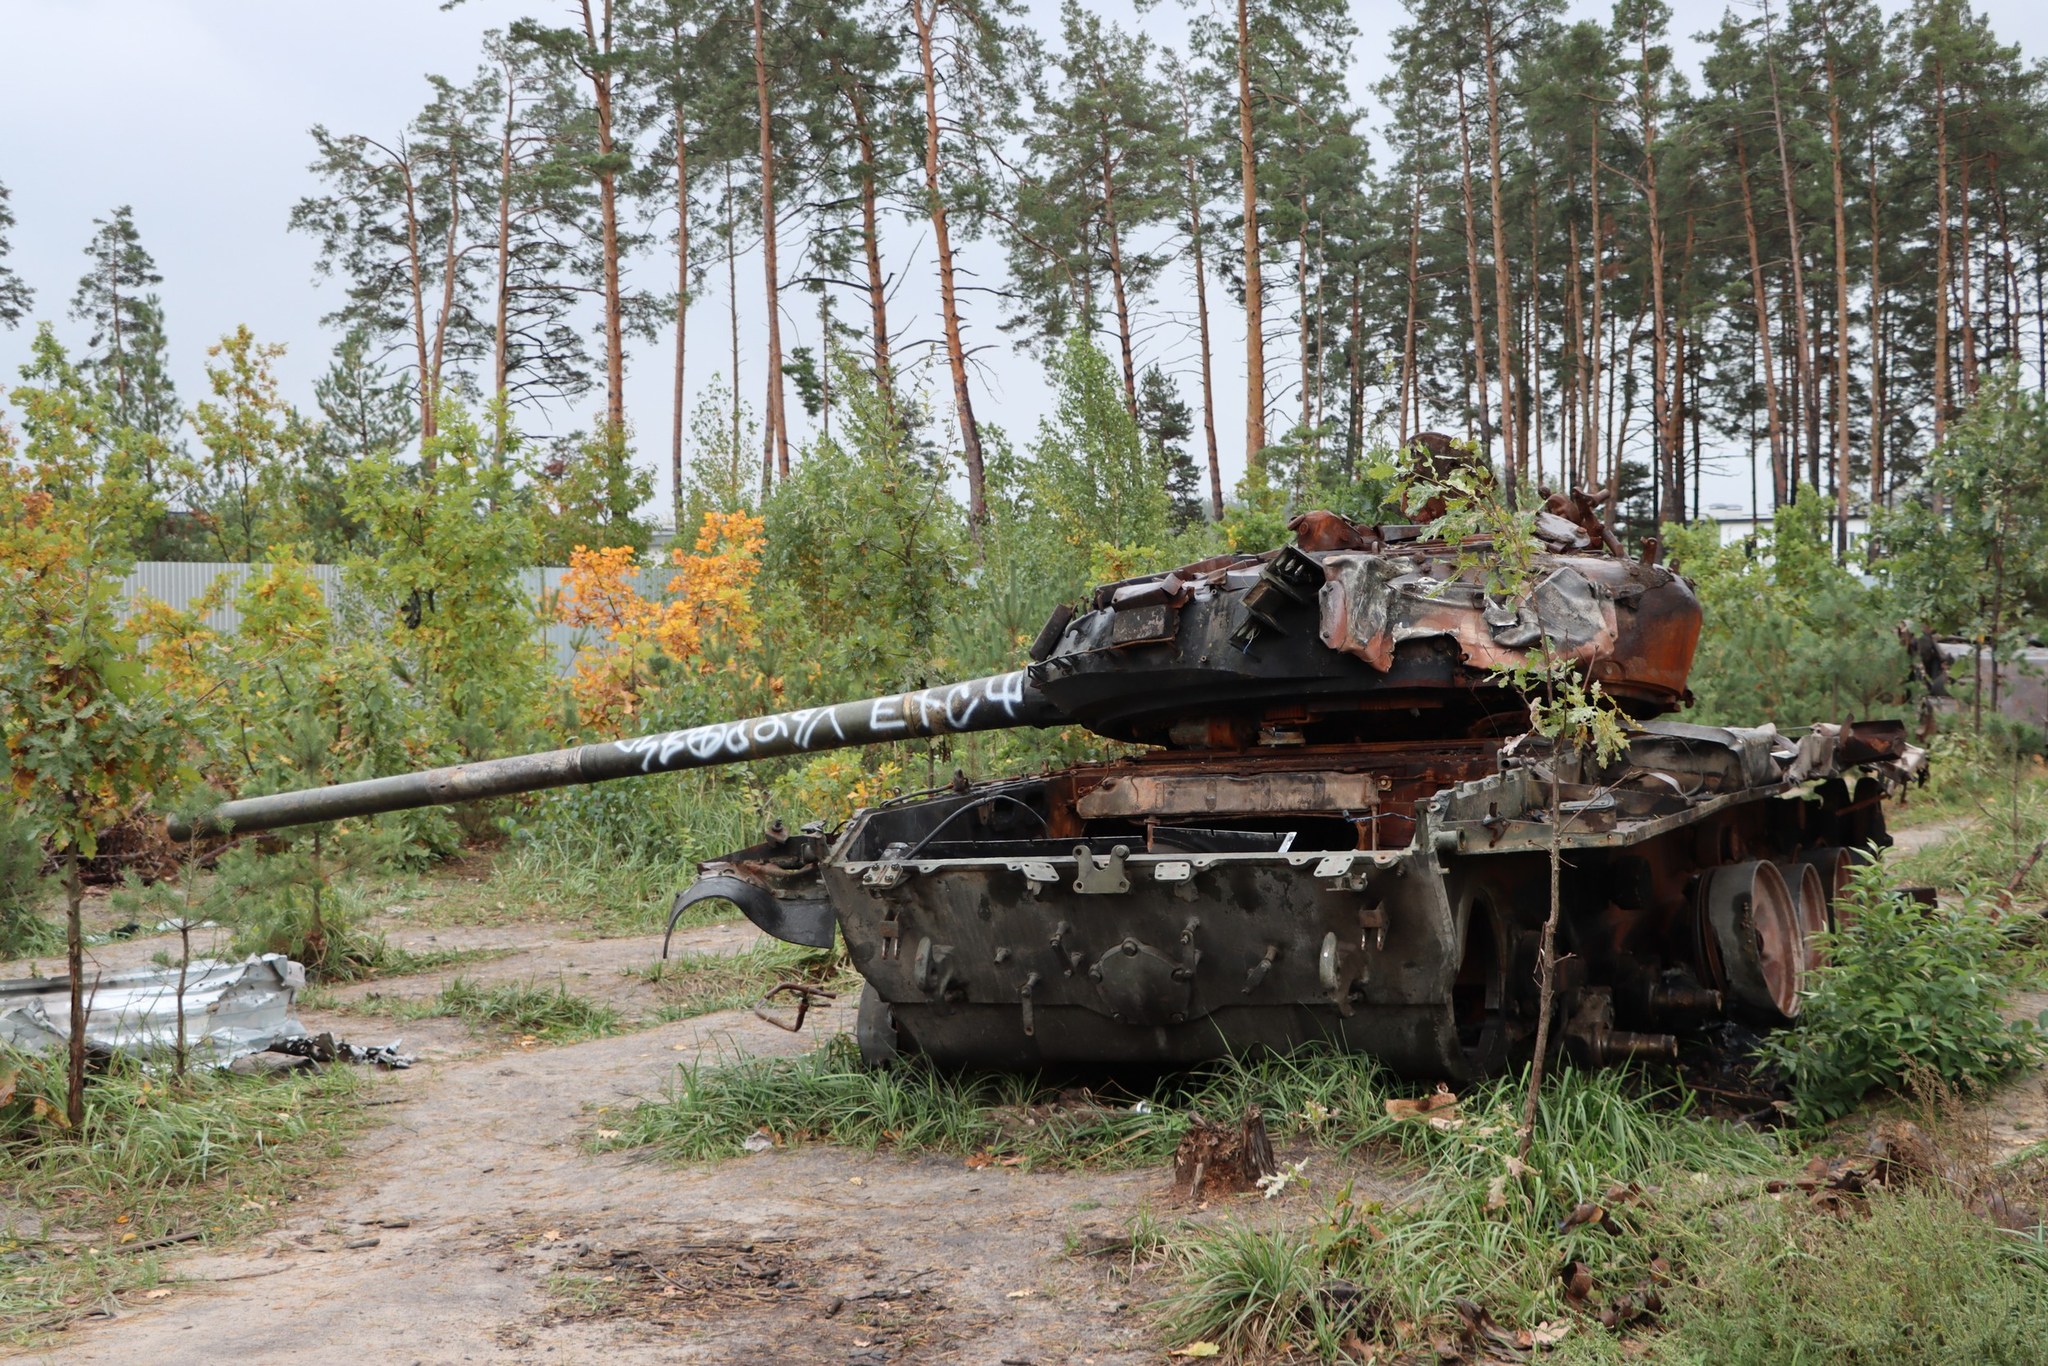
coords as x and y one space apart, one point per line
1904 990
1978 567
865 558
452 538
96 471
247 481
1789 635
24 891
590 494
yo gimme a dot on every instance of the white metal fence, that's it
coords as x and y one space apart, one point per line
180 584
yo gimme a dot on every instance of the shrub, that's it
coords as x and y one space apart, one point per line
1904 989
23 891
1920 1279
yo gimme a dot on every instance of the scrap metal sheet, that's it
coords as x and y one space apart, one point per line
230 1009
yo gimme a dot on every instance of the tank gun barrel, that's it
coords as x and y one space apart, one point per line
998 702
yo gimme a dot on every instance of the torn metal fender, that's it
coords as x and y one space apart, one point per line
809 921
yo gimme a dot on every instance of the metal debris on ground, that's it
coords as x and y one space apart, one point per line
234 1015
327 1048
229 1009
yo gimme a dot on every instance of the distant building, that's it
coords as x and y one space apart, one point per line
1738 523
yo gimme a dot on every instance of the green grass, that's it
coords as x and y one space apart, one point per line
828 1095
215 1153
693 984
1917 1280
553 1015
549 1014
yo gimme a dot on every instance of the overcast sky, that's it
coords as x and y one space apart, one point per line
195 113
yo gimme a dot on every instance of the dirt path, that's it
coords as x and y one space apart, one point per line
474 1227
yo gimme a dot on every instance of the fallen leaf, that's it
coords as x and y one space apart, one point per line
6 1086
1551 1333
855 1181
1497 1194
1480 1325
156 1294
1018 1295
976 1161
1585 1213
1441 1099
553 1235
1198 1349
607 1133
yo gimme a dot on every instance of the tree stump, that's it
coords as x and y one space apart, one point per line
1223 1158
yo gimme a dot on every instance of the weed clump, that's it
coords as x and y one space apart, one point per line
1904 989
205 1156
693 984
1916 1279
830 1095
554 1015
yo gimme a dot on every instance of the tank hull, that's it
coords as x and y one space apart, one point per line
1176 907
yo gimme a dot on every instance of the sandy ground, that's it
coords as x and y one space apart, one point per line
472 1225
476 1194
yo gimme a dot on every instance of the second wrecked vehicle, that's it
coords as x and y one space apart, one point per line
1340 832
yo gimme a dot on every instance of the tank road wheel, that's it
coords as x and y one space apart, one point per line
874 1029
1482 1001
1810 904
1753 938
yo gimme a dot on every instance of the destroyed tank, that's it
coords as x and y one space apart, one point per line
1338 830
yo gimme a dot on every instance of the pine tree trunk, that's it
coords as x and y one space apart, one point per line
1512 452
449 262
1968 341
1301 330
1841 315
2009 282
1472 274
1354 424
1780 490
1202 324
416 274
1941 264
1803 353
1673 503
1529 423
1116 281
871 248
924 14
1409 394
501 361
675 451
778 426
1254 298
598 32
1571 386
1594 426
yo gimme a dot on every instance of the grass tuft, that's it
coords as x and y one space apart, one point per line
555 1015
214 1154
693 984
